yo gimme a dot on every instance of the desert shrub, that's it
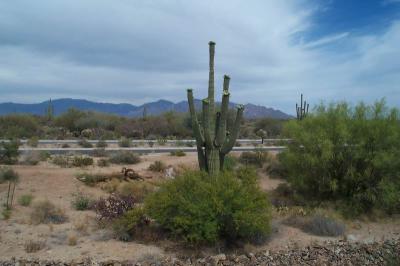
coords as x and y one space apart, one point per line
161 141
111 185
131 223
230 162
178 153
90 179
19 126
46 212
204 209
274 167
99 153
6 213
61 160
32 157
25 200
85 144
157 166
103 163
317 224
81 202
33 141
32 246
348 155
125 157
137 190
101 144
65 145
82 161
113 207
12 177
9 152
72 240
125 143
256 158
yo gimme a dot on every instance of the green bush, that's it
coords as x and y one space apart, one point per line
125 157
61 160
25 200
85 144
125 143
178 153
101 144
348 155
33 141
256 158
203 209
9 152
138 190
230 162
81 202
46 212
157 166
82 161
103 163
129 224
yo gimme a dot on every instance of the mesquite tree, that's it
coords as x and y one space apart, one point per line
213 139
302 110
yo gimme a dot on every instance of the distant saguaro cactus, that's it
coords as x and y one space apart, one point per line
302 110
50 111
213 139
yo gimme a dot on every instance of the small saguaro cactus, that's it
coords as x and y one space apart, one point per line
302 110
50 111
213 139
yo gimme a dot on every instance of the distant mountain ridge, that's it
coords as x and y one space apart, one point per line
129 110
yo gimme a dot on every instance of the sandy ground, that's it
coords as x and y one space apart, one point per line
47 181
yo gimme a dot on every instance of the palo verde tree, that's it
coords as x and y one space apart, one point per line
213 139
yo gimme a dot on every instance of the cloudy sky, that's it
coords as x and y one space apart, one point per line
139 51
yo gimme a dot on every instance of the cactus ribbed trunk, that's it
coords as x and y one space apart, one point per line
302 110
213 140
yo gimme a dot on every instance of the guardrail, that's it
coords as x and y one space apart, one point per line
115 141
143 149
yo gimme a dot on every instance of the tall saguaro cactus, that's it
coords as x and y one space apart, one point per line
302 110
213 139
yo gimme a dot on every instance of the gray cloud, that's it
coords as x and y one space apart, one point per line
136 51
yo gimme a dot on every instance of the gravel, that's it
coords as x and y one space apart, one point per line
338 253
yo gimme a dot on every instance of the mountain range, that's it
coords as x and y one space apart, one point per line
129 110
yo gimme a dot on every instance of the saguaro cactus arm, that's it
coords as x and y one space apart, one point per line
234 132
195 123
221 126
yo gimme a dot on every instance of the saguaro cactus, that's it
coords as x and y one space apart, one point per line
302 110
213 139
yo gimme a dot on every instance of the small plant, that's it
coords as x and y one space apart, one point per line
85 144
138 191
99 153
161 141
6 213
129 224
72 240
81 202
103 163
32 246
82 161
65 145
125 157
46 212
157 166
25 200
12 177
113 207
61 160
316 224
178 153
101 144
33 141
256 158
125 143
92 179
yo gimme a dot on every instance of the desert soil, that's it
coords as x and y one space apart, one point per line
48 181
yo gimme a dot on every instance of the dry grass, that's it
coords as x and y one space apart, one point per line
32 246
46 212
72 240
